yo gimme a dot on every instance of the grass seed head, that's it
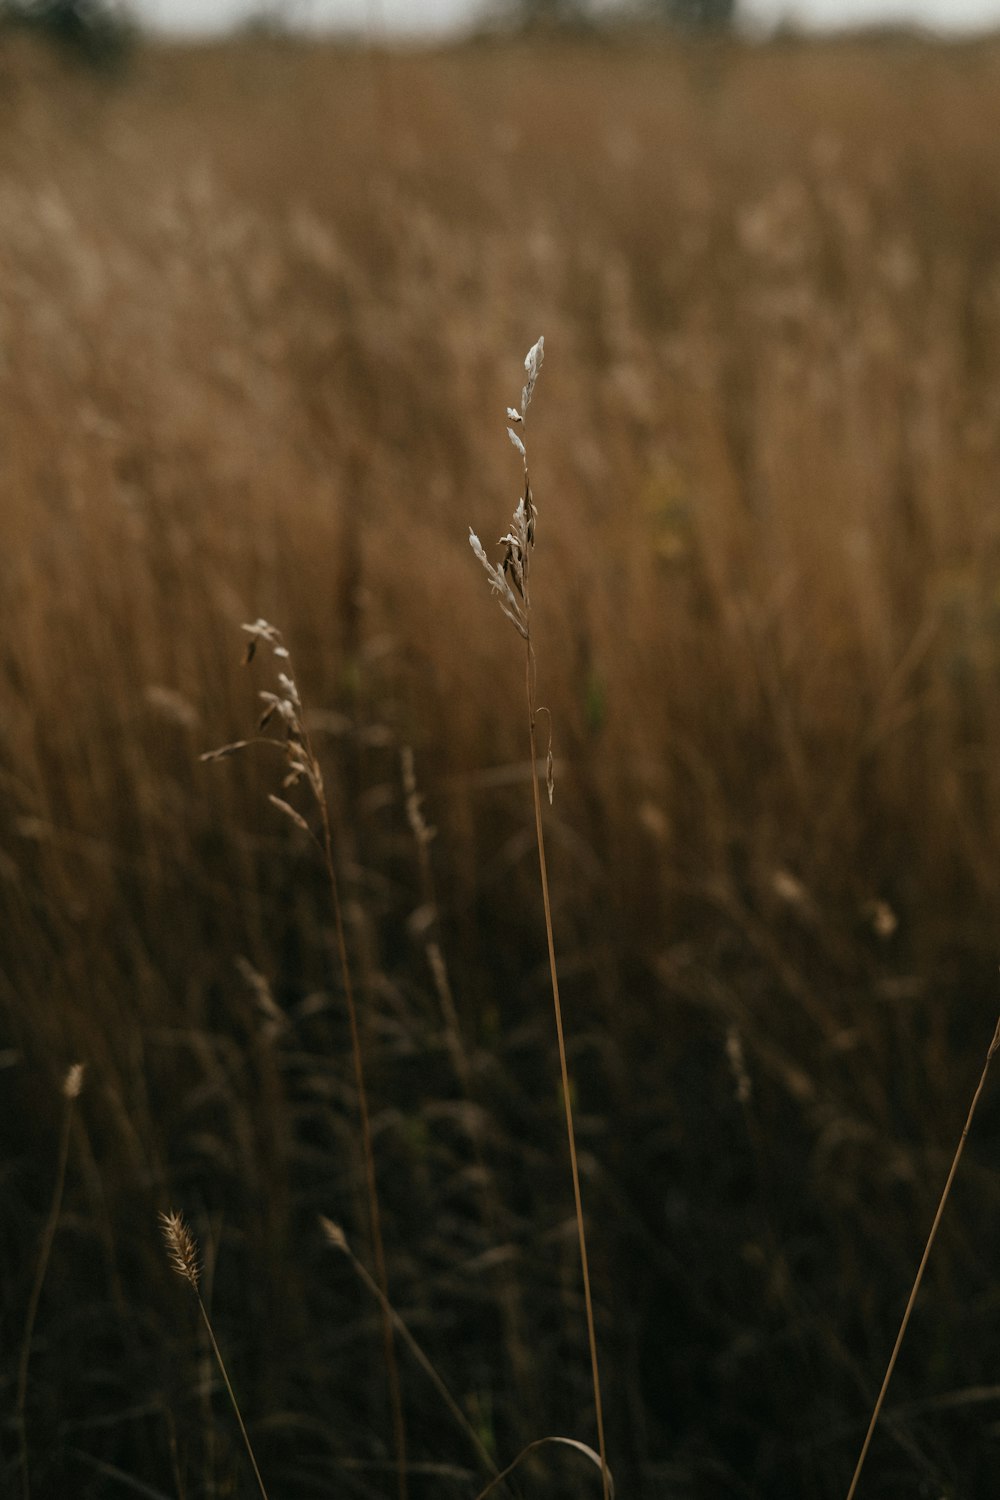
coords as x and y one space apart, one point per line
182 1248
73 1082
334 1235
512 572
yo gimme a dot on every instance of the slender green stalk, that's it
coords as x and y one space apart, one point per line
994 1045
71 1092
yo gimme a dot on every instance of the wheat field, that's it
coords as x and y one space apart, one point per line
262 308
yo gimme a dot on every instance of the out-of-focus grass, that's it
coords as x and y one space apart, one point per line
261 309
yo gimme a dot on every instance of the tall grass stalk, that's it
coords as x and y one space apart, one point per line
994 1046
564 1068
185 1260
72 1084
511 583
285 708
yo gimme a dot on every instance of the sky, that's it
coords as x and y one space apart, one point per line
428 16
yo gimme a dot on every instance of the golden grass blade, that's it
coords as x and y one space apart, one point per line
994 1045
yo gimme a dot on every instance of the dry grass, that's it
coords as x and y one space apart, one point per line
290 736
184 1256
510 582
253 329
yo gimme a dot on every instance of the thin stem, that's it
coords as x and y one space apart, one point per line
923 1263
48 1237
336 1238
232 1394
303 762
564 1067
378 1247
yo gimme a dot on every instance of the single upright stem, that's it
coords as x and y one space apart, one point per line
182 1249
994 1045
378 1247
564 1068
48 1238
228 1384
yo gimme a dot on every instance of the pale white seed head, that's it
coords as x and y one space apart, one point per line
519 541
262 630
73 1082
532 365
333 1234
290 690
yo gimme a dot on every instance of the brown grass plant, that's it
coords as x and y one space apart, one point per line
925 1257
510 581
182 1249
283 711
72 1085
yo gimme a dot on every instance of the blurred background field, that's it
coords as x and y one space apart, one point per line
262 306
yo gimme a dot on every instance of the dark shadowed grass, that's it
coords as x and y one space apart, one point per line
72 1085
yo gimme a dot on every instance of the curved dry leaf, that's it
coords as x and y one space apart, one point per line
565 1442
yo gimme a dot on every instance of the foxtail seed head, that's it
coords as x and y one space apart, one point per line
181 1247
